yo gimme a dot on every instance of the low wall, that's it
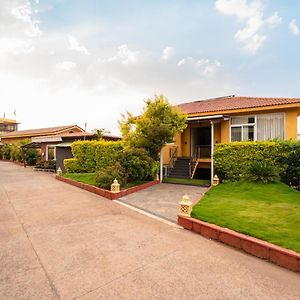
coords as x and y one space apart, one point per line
280 256
105 193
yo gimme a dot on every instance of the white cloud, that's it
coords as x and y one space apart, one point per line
66 66
109 81
205 66
75 45
274 20
123 55
294 27
168 52
252 14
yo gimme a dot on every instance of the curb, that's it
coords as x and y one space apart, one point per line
280 256
105 193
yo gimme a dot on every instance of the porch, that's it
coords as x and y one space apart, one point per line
191 155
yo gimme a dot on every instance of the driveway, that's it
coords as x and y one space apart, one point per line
61 242
163 199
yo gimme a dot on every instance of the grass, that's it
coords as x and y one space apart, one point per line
186 181
270 212
90 178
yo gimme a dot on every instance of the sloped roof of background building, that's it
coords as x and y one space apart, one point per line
233 103
39 131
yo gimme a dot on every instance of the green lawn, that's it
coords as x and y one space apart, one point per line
186 181
270 212
90 178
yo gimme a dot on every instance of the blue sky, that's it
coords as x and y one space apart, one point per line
89 61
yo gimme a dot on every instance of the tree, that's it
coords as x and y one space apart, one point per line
100 132
157 126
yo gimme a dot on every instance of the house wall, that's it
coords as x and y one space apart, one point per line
222 130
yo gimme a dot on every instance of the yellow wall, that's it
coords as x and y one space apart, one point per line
186 142
291 124
224 128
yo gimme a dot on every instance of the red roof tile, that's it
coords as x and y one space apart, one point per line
233 103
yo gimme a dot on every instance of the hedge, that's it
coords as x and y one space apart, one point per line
232 160
90 156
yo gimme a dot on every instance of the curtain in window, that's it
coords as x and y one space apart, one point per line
270 126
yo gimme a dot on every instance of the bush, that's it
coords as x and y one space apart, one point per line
232 161
137 164
6 151
47 165
262 171
105 177
91 156
72 165
289 162
31 156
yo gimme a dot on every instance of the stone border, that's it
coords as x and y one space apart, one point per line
105 193
280 256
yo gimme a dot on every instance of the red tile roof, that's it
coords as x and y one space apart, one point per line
233 103
40 131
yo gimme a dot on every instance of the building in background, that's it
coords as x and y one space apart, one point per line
8 125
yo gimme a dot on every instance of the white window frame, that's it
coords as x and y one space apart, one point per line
253 124
244 125
50 146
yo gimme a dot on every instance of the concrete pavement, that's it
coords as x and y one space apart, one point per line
162 200
61 242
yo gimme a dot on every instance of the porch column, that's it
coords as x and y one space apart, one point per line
212 153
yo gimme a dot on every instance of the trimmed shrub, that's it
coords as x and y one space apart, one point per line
105 177
72 165
232 160
137 164
91 156
262 171
289 162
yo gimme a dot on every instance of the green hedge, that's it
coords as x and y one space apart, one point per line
90 156
232 160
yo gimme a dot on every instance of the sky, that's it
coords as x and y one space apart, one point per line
89 61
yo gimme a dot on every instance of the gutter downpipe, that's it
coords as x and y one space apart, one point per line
212 153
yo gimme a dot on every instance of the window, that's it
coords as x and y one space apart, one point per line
242 128
50 153
260 127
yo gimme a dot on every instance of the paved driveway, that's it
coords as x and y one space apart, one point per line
162 200
60 242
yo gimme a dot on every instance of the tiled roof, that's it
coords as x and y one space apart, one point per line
233 103
40 131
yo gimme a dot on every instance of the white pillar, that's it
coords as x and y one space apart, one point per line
161 166
212 152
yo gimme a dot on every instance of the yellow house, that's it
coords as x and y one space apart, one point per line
7 125
223 120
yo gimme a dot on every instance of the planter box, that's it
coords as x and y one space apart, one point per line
105 193
280 256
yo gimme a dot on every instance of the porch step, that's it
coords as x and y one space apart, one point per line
181 168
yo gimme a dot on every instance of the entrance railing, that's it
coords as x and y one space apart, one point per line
200 151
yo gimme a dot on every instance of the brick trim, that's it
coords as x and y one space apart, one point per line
105 193
280 256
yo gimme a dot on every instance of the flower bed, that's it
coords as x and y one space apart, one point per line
105 193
